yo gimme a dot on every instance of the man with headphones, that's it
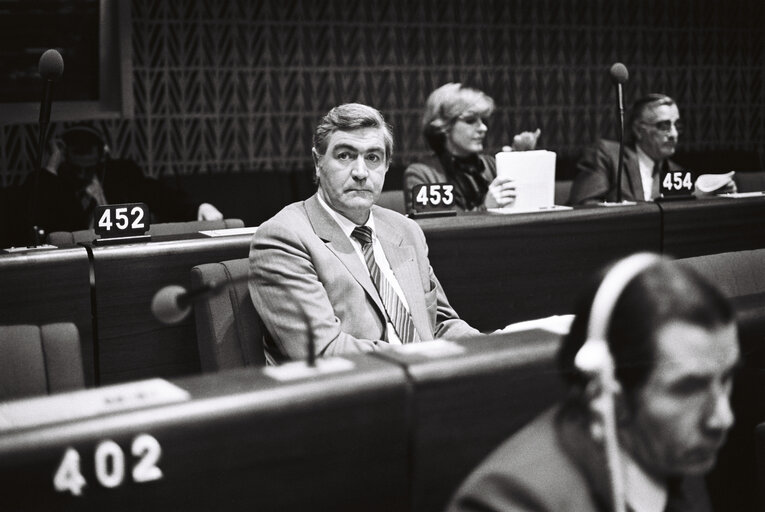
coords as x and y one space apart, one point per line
669 342
80 175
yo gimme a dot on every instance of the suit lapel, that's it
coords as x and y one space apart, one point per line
401 257
632 170
327 229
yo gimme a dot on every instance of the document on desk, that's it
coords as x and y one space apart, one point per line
534 175
230 231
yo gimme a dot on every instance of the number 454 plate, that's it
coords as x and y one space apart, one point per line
121 220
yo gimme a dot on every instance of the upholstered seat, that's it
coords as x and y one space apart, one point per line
229 330
39 360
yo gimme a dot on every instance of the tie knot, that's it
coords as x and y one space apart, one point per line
363 234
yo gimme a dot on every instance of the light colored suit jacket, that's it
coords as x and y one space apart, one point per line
595 180
305 277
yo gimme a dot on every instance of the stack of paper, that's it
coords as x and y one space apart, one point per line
534 175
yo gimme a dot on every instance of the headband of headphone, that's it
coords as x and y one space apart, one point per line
83 132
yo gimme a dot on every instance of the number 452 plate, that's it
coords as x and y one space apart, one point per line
121 220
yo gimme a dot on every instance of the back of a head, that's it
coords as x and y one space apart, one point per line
351 116
663 293
447 103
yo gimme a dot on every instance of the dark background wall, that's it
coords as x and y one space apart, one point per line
236 86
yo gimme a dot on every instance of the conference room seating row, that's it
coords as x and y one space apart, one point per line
393 431
496 269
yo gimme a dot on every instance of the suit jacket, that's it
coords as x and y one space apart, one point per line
595 180
430 170
306 279
552 465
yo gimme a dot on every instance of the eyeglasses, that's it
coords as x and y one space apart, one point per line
473 119
666 126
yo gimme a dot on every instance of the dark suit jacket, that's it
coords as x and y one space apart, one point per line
305 277
595 180
552 465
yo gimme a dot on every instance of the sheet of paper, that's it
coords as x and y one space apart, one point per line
230 231
534 176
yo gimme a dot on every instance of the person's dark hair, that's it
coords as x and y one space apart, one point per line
664 292
351 116
80 138
651 100
445 105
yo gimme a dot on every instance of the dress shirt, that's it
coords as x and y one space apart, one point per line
347 226
643 493
647 166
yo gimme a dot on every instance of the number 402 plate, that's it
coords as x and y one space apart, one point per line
121 220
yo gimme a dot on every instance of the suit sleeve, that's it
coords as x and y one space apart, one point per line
447 322
593 178
291 300
496 493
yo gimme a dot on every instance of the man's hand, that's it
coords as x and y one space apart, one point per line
208 212
526 141
501 193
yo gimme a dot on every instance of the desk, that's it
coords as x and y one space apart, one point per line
132 343
49 285
711 226
498 269
239 440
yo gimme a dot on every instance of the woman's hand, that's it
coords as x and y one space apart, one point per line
501 193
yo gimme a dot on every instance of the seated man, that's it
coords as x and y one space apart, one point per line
674 345
655 127
338 270
80 176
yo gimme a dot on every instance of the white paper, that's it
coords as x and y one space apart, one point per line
230 231
534 175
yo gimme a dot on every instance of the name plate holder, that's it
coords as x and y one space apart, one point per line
121 223
676 186
432 200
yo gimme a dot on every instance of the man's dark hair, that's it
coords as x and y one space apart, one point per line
664 292
351 116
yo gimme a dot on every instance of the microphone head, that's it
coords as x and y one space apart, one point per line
165 306
619 73
51 65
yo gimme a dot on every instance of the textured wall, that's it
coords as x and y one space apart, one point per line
237 85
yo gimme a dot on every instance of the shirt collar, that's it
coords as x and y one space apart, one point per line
347 225
643 492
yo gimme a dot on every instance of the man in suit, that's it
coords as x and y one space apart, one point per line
338 270
674 344
655 126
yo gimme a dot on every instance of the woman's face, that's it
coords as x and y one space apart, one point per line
466 135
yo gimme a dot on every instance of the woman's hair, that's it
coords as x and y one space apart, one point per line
445 105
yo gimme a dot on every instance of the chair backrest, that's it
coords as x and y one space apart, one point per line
71 238
39 360
392 200
229 330
562 191
736 273
750 181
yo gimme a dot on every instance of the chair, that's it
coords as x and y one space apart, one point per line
392 200
562 191
735 273
760 435
39 360
71 238
750 181
229 330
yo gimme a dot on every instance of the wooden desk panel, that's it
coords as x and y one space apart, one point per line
45 286
241 441
711 226
132 343
499 269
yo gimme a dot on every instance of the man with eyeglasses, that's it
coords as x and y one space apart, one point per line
655 127
338 271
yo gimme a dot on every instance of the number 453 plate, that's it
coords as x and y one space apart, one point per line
121 220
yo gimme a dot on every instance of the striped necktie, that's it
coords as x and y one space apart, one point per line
397 313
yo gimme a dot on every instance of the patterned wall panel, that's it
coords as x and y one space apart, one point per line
237 85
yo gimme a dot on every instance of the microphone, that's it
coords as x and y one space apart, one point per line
594 360
51 67
619 75
171 304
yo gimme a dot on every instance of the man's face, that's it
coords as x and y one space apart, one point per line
681 416
83 162
656 132
352 171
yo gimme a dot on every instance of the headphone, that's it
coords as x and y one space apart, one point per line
594 360
84 129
